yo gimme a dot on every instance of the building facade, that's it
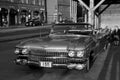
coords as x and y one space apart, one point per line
16 12
58 10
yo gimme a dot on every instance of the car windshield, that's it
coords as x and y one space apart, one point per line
71 30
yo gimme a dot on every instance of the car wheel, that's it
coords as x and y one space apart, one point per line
87 68
88 63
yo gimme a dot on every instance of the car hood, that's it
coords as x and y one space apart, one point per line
49 44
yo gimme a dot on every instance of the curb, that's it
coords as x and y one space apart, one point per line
23 33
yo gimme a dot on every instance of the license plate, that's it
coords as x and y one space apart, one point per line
46 64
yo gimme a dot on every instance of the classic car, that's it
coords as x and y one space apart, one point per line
33 22
71 45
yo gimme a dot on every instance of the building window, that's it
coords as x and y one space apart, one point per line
11 0
40 2
26 1
22 1
43 2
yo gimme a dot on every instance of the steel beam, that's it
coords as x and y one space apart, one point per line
91 13
109 4
98 4
82 3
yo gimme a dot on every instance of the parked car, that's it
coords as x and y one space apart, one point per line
33 22
72 46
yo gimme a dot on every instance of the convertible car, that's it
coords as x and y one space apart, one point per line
71 45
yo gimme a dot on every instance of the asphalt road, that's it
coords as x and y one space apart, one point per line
106 67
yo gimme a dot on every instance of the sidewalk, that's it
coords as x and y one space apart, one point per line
7 34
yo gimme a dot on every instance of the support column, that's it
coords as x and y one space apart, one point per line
85 17
99 19
32 14
91 13
70 8
19 16
86 8
96 21
8 18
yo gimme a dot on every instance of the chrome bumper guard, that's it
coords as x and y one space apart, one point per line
78 66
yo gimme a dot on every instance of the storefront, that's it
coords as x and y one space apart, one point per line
3 16
13 16
36 14
24 14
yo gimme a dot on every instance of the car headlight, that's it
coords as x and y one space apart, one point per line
17 51
25 51
80 53
71 53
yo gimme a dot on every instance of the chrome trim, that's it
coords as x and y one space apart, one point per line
59 64
23 55
33 62
56 57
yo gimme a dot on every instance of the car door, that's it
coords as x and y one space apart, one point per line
94 45
102 42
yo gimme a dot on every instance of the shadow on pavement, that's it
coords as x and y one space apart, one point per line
110 70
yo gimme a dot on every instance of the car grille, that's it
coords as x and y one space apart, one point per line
50 54
55 61
55 57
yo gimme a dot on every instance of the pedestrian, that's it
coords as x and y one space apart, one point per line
119 32
111 35
116 36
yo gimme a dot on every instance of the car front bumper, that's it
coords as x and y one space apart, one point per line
70 63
